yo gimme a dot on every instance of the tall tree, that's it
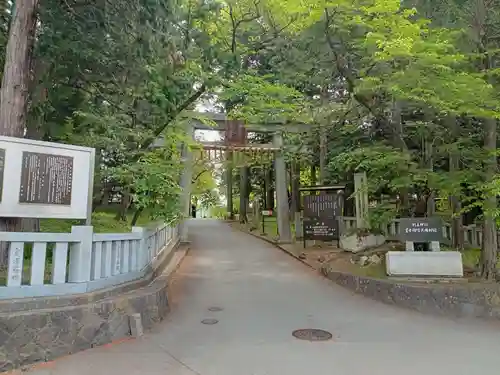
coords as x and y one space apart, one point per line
14 89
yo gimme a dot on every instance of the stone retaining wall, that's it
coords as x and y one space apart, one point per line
456 300
453 300
39 330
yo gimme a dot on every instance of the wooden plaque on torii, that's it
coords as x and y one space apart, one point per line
236 133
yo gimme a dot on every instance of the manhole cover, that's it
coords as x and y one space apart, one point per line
312 334
215 309
209 321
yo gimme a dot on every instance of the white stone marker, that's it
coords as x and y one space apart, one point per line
424 263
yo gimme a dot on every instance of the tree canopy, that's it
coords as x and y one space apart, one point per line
406 91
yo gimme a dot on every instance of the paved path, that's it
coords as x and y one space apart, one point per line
266 295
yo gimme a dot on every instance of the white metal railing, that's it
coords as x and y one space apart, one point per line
473 234
81 261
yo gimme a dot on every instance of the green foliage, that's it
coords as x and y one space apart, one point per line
260 101
406 91
153 181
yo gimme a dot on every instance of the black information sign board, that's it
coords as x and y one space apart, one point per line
423 229
325 205
2 167
321 217
319 229
46 179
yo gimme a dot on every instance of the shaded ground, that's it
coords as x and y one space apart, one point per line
318 254
265 295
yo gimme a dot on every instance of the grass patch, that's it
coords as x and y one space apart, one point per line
376 271
271 226
470 257
102 221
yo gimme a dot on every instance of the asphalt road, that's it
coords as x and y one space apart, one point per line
265 295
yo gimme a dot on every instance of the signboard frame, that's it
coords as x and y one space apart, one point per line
421 229
81 190
320 212
2 168
330 223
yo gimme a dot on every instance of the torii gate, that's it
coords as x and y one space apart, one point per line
221 121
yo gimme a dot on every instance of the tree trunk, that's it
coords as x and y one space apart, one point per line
429 164
398 141
490 245
14 90
16 74
455 204
269 190
314 180
121 215
136 216
322 155
295 178
243 194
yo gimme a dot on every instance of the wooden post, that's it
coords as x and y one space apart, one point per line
361 199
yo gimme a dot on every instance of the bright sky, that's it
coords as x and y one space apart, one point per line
207 105
210 136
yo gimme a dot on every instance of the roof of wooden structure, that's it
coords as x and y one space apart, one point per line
322 188
220 124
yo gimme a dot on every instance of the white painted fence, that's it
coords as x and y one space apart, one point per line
82 261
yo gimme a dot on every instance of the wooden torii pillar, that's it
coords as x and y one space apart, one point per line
186 182
283 211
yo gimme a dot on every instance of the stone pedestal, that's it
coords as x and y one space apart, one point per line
424 264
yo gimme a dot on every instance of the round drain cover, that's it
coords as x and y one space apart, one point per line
310 334
209 321
215 309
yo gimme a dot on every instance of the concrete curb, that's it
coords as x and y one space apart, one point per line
44 334
450 300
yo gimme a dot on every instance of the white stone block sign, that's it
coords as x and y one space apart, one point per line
423 263
45 179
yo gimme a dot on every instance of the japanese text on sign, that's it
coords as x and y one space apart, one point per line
421 229
46 179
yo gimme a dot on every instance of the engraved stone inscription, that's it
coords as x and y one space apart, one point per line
16 265
46 179
15 272
2 167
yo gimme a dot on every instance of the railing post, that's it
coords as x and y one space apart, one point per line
80 255
142 251
16 259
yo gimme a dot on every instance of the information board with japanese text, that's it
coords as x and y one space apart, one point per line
45 180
